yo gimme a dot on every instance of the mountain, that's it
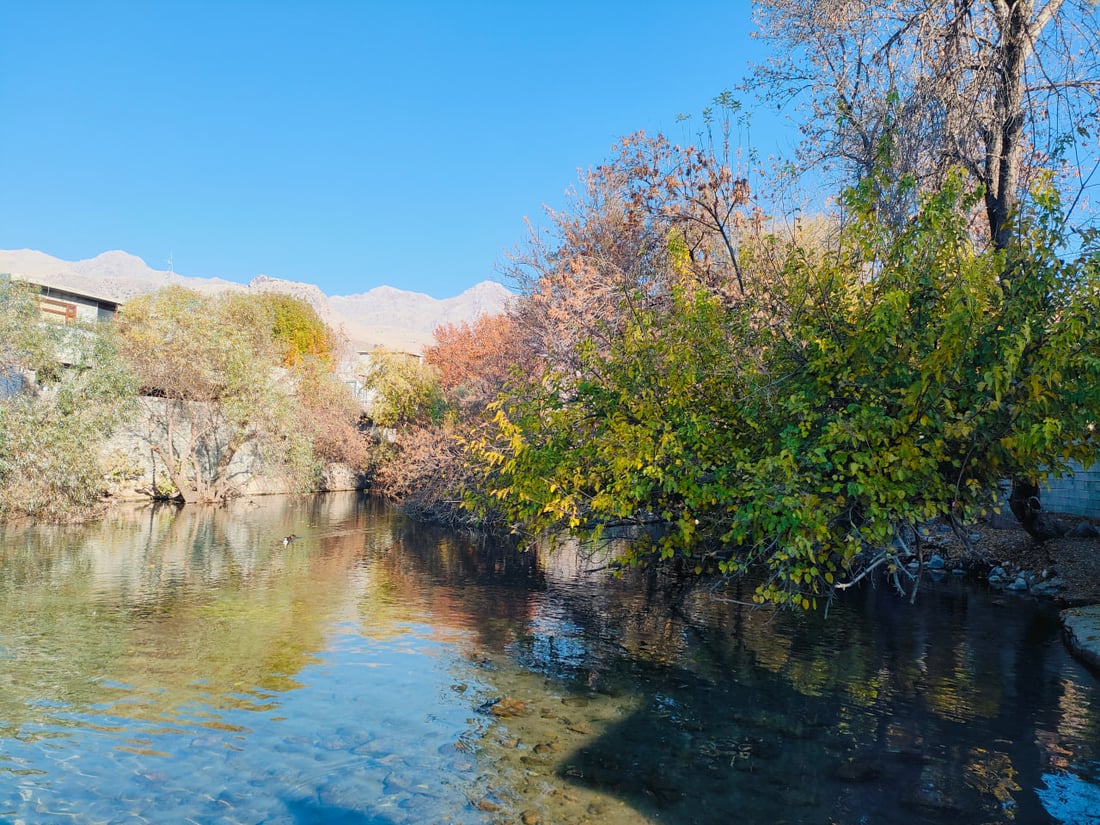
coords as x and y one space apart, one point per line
381 317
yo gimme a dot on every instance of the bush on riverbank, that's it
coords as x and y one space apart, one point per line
433 409
62 390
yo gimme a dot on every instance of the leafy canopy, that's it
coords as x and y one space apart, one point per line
803 432
63 390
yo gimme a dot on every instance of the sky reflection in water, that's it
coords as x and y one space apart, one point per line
183 665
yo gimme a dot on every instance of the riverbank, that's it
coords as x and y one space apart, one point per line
1001 552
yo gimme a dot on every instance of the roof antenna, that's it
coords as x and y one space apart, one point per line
169 262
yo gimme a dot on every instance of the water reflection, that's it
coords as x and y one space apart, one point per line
184 664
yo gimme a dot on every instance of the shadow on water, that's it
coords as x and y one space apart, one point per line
308 812
960 710
376 670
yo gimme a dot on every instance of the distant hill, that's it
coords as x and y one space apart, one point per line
381 317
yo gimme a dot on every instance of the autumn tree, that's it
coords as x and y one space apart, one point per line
298 331
1005 89
213 390
436 407
654 216
327 414
63 390
475 361
893 379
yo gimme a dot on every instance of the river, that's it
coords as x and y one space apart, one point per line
181 665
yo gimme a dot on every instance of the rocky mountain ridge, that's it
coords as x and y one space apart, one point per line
384 317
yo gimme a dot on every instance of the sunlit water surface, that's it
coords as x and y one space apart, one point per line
173 665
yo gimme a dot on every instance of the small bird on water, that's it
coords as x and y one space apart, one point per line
289 539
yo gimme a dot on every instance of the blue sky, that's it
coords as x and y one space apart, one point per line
345 144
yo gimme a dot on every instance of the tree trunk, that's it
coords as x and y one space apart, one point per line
1025 505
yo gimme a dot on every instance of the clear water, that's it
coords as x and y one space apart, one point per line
183 666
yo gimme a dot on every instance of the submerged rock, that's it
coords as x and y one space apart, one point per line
1050 587
507 707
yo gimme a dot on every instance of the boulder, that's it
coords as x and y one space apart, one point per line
1081 628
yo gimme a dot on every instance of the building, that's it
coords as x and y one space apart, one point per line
65 305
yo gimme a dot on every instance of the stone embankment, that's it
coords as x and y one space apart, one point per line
131 470
1082 632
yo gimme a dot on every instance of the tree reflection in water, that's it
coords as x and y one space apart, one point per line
336 673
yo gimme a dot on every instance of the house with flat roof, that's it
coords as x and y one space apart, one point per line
66 305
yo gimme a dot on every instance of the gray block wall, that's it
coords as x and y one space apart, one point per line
1077 494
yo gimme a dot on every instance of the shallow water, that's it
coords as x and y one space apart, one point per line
173 665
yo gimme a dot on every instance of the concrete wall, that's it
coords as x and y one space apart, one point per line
89 309
132 470
1078 494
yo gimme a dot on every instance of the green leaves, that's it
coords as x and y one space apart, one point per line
802 430
49 431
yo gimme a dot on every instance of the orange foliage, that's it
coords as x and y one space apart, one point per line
656 216
476 361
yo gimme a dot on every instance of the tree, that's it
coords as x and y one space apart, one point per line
328 415
25 342
298 331
1003 88
51 426
475 361
424 467
210 388
805 434
1006 89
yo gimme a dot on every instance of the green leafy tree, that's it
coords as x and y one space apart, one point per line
405 391
804 433
52 423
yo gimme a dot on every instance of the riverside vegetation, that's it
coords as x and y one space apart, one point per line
207 376
746 394
795 410
795 399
